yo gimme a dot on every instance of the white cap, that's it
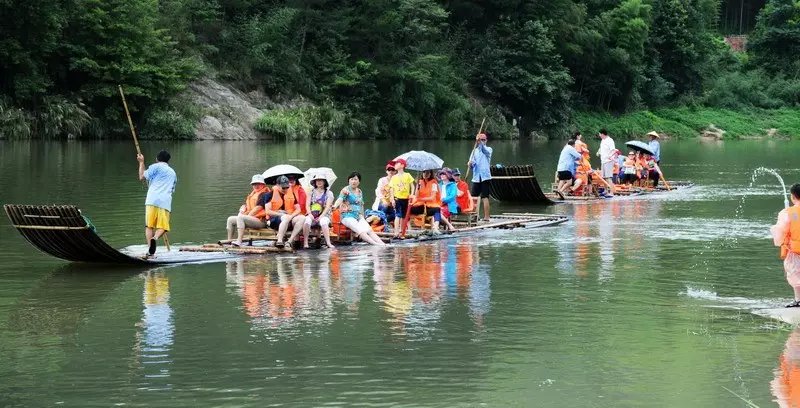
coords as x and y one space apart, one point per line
257 179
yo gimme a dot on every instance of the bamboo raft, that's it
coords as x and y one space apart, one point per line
63 232
635 191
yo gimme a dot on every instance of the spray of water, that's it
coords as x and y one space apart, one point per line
763 170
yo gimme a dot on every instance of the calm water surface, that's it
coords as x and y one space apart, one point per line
634 302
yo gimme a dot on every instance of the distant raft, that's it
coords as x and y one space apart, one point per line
517 184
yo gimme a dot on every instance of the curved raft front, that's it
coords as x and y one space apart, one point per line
61 231
517 184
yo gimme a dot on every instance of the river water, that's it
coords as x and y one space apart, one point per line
633 302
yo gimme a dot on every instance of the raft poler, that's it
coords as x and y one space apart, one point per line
786 235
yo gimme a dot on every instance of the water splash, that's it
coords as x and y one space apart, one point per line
763 170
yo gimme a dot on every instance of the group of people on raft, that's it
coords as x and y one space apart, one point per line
575 175
289 209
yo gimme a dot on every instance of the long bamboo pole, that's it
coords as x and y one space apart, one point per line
130 121
664 179
136 143
480 130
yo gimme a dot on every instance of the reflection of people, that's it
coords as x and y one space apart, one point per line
786 234
157 325
786 385
161 180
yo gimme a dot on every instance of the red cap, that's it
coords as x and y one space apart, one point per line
390 165
401 161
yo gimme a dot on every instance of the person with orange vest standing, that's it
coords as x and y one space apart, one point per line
786 235
284 211
251 214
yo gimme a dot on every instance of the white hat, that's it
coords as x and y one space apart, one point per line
654 134
257 179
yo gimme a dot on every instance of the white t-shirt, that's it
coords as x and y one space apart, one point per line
606 149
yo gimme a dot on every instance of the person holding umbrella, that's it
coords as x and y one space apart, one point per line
319 204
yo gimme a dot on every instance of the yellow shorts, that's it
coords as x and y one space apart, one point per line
156 218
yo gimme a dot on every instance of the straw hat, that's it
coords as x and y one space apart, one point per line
654 134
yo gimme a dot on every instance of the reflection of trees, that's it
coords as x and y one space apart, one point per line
786 385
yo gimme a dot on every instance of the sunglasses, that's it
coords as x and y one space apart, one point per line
482 140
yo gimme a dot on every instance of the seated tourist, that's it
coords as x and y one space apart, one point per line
449 190
283 211
463 196
319 203
351 205
629 169
383 193
428 200
251 213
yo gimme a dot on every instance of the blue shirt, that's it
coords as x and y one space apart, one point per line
481 162
352 203
161 180
449 192
566 161
656 148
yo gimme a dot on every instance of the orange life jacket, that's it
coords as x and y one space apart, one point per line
792 240
299 192
426 190
582 148
465 200
252 201
285 203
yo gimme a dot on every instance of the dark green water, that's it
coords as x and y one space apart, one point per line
634 302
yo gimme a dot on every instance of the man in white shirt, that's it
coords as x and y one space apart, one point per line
606 153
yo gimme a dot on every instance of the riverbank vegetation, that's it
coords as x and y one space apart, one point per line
398 68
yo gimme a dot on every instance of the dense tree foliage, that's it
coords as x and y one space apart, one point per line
381 68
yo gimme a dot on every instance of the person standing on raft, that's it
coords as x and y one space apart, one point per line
480 161
786 235
606 153
161 181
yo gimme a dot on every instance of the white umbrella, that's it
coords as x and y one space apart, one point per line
420 160
273 172
317 172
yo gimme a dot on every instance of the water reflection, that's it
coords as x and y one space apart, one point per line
786 385
601 232
413 285
155 331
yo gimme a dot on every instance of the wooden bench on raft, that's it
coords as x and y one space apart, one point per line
468 216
